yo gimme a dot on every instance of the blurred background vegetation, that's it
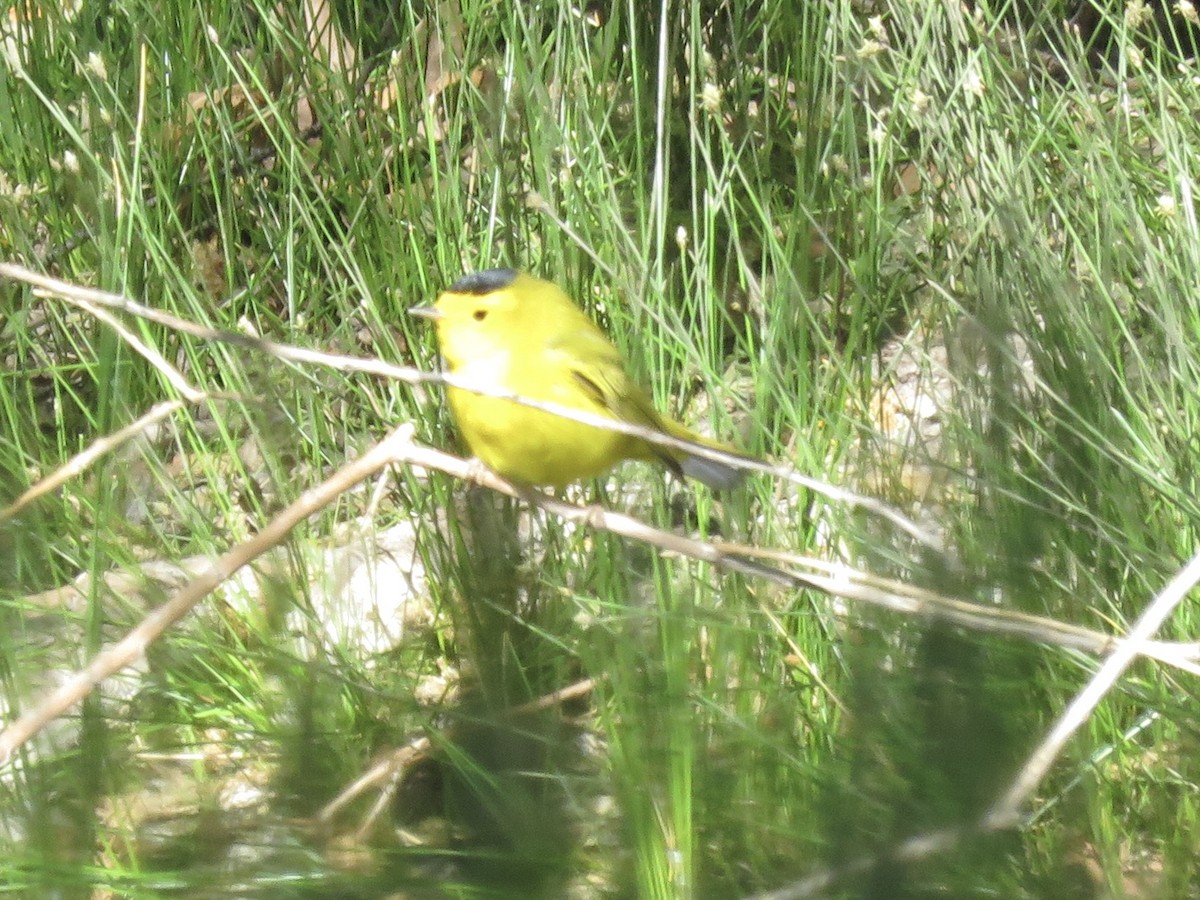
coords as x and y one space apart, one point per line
942 254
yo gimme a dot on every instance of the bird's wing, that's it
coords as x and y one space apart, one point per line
605 380
599 370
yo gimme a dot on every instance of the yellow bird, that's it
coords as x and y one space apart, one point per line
510 331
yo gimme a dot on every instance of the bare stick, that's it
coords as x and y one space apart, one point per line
80 462
1006 811
133 646
173 376
80 295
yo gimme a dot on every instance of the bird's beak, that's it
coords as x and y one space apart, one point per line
425 312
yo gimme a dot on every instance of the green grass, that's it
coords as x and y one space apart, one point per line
733 218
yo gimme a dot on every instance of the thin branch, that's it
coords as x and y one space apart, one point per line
1006 810
172 375
133 646
831 579
838 579
389 771
80 462
76 294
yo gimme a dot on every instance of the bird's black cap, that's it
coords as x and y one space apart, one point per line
484 282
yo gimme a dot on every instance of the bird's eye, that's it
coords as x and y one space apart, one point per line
479 315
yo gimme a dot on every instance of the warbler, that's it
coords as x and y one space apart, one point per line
513 332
